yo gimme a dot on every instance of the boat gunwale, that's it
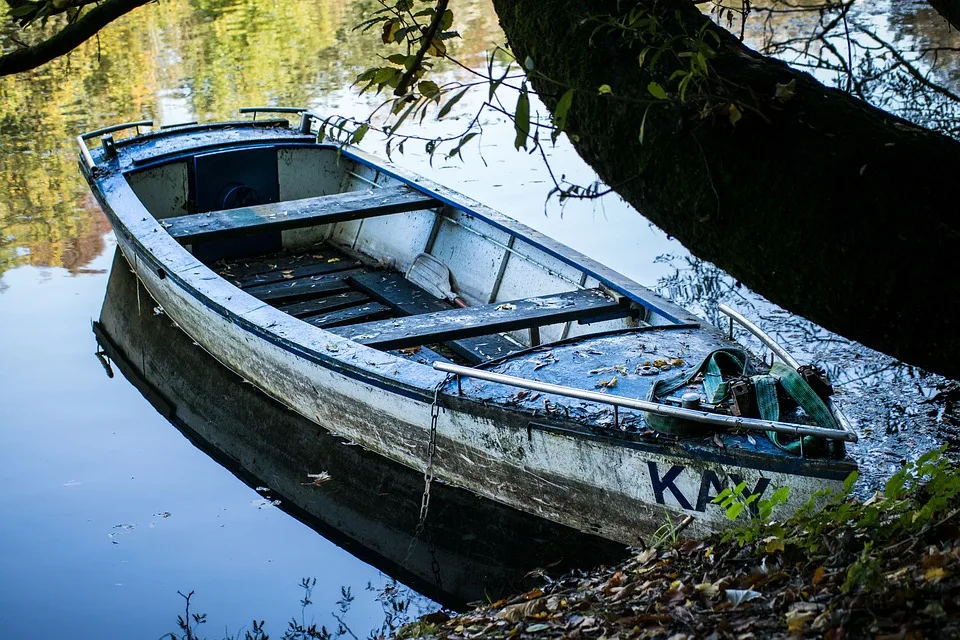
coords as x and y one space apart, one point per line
605 275
411 379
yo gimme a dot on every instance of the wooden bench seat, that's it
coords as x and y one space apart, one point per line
482 320
406 298
292 214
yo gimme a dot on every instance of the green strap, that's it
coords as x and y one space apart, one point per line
731 362
767 402
798 389
807 398
728 362
713 385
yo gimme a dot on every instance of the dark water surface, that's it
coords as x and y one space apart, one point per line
107 508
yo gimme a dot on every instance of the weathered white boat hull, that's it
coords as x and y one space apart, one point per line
602 487
622 488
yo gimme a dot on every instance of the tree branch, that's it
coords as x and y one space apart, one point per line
68 38
425 43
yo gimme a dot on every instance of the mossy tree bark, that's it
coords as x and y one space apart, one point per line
833 209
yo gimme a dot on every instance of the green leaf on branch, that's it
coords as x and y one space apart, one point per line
464 140
429 89
390 29
643 123
398 58
734 113
451 102
560 113
642 57
447 21
521 118
385 75
359 133
657 91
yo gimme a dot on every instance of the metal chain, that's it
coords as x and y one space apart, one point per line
431 451
428 472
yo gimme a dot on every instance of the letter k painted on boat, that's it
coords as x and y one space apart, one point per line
667 482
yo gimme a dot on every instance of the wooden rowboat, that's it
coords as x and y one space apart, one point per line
307 269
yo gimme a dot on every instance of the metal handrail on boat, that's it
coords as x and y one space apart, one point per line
760 334
784 355
705 417
256 110
83 137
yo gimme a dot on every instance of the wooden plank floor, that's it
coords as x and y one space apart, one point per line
331 290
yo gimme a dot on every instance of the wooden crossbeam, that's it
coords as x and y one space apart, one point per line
457 324
394 290
293 214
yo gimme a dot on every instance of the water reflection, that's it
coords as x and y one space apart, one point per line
471 549
173 61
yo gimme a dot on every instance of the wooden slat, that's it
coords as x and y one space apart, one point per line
302 288
396 291
245 267
296 272
350 315
324 305
422 355
293 214
457 324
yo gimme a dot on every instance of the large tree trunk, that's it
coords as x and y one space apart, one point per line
831 208
949 9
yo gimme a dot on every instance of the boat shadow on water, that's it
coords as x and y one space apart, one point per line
470 548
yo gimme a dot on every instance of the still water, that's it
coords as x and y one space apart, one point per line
108 508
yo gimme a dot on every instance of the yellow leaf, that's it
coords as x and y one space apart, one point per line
934 574
604 89
796 621
774 545
389 31
818 575
785 91
437 48
734 113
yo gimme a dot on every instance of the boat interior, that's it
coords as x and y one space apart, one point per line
346 247
356 248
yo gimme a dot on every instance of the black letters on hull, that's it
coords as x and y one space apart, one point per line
708 480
